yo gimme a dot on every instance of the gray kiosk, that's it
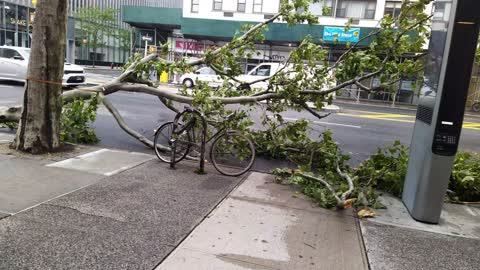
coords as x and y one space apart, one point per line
442 106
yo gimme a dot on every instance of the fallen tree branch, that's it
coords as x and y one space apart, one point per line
313 112
349 180
340 201
121 122
168 104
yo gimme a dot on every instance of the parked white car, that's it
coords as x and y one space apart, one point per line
14 64
208 75
204 74
262 71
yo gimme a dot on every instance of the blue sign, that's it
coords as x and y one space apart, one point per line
338 34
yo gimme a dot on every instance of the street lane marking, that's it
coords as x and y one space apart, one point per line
320 123
403 118
335 124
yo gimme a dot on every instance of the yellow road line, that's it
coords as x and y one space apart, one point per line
397 118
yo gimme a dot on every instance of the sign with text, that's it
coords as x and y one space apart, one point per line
338 34
147 38
192 46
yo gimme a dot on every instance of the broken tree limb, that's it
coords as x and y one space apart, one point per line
121 122
340 202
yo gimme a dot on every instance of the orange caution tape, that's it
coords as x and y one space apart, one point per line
61 84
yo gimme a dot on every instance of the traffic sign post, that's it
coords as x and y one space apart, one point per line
146 39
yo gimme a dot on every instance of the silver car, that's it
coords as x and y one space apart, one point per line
14 64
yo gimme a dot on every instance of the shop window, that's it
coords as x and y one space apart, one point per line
241 5
2 21
2 37
31 18
257 6
10 38
23 39
357 9
195 6
217 4
22 18
10 16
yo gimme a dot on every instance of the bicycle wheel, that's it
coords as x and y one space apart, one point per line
232 153
163 145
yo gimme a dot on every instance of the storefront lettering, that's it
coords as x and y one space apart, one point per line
19 22
192 46
277 57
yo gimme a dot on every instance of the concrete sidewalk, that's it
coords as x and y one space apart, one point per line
107 209
262 226
68 215
394 240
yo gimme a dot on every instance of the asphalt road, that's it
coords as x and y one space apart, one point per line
359 129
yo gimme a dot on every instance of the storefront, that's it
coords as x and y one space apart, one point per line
15 24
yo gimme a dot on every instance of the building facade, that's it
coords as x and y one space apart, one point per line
16 24
116 51
200 24
16 17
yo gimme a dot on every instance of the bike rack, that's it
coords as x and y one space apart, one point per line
204 138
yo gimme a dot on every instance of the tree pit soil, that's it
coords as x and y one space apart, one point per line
65 152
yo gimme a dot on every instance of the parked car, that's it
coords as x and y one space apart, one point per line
205 74
14 64
262 71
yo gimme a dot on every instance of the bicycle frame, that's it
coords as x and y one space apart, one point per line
186 127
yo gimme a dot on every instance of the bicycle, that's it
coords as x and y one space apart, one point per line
231 152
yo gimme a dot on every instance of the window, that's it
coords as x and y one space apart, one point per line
262 71
217 4
357 9
392 8
322 8
241 5
2 22
22 21
257 6
9 53
206 71
195 6
10 16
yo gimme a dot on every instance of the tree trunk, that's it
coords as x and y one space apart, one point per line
39 129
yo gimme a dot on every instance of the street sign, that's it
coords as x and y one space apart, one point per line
147 38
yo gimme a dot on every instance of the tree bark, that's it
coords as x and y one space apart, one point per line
39 128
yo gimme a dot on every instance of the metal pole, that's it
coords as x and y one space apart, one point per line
132 46
146 44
